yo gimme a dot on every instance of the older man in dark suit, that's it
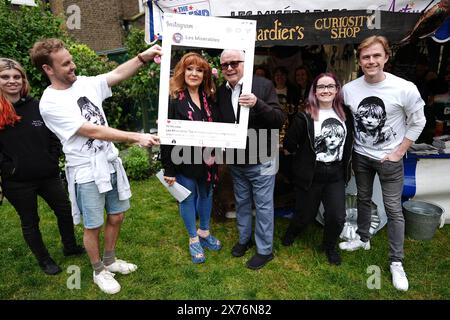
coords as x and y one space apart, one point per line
253 170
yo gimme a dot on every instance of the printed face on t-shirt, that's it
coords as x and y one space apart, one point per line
328 144
92 114
370 118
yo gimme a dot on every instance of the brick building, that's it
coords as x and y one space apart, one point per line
101 24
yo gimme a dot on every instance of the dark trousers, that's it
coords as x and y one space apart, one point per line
328 187
391 180
23 197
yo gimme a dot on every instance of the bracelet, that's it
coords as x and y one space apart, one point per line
139 56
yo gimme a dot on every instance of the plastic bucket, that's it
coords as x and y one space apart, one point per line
421 219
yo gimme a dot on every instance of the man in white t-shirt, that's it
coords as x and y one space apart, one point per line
388 117
72 108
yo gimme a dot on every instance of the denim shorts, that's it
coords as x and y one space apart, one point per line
92 204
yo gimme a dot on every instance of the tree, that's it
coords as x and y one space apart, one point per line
20 29
144 86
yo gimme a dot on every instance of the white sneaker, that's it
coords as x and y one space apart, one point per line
230 214
353 245
106 282
121 266
399 279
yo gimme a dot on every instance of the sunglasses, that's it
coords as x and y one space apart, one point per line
232 64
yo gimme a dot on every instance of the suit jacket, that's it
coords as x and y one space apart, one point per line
265 115
180 110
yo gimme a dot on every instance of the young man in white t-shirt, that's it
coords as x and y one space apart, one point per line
72 108
389 117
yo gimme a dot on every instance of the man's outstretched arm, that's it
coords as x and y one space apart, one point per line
110 134
129 68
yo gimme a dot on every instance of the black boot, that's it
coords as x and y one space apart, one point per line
239 250
49 266
73 250
290 235
333 255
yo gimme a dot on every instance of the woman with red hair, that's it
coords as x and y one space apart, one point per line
191 93
29 157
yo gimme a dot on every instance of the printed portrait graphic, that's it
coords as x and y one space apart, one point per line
328 145
92 114
371 128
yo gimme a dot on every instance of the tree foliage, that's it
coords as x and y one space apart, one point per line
144 86
136 162
20 29
22 26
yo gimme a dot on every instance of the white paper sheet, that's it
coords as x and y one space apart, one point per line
176 190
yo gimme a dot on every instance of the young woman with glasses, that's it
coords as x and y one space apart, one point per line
321 139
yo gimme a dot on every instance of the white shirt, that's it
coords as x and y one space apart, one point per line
65 111
384 114
235 93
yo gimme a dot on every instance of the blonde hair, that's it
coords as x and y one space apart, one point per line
373 40
8 115
7 64
177 83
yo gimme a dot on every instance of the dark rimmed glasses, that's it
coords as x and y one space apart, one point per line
330 87
232 64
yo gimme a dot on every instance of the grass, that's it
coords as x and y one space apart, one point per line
154 238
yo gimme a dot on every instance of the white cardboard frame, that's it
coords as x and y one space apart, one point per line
204 32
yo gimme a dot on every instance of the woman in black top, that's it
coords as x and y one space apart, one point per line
29 155
321 139
191 93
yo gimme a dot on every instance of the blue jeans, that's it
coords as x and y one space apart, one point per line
254 183
199 201
92 203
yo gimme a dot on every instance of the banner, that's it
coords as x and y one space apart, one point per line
330 27
236 8
188 33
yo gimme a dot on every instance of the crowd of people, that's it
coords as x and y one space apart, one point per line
366 126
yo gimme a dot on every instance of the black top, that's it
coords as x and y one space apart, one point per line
186 109
265 114
299 140
28 150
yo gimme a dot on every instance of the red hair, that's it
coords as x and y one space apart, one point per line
8 115
177 83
